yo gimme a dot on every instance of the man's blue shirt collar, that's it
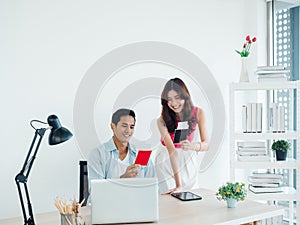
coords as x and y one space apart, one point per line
110 146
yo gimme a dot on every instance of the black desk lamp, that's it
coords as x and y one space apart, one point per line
57 135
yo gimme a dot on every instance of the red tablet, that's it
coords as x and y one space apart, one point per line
143 157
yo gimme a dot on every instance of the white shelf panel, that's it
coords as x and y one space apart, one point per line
266 136
264 86
289 194
288 164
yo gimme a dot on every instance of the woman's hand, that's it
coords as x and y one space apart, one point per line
186 145
173 190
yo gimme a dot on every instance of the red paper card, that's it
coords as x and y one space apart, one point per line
143 157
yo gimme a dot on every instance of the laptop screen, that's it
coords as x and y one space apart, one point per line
127 200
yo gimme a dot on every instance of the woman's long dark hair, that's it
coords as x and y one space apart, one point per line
168 114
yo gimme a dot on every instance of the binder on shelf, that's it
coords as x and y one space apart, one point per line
273 120
265 189
249 122
259 117
251 153
244 119
264 180
254 184
251 144
253 117
268 68
276 118
280 121
267 175
254 158
252 149
271 73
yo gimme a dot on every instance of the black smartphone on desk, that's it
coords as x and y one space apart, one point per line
186 196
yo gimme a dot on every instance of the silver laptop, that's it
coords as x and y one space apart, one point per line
127 200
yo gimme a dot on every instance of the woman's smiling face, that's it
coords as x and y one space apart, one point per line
175 102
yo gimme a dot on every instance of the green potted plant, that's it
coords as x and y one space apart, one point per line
281 147
232 193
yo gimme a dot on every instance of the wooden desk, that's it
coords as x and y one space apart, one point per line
175 212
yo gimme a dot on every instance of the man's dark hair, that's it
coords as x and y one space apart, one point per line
121 112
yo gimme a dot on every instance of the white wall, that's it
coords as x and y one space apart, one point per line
48 46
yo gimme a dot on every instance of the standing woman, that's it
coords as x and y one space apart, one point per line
177 164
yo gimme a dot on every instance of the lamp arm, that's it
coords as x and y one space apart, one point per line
24 173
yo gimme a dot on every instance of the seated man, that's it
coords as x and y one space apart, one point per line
115 158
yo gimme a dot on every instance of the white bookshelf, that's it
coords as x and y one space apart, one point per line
290 193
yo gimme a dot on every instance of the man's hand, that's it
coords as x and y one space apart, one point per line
131 171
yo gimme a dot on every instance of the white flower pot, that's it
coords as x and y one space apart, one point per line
231 203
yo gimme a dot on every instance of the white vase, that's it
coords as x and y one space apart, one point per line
244 76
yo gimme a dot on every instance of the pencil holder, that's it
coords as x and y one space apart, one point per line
67 219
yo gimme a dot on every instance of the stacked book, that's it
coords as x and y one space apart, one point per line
265 182
252 151
271 73
252 118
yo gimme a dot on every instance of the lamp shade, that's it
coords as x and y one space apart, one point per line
58 133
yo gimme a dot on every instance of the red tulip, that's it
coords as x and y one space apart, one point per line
246 46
